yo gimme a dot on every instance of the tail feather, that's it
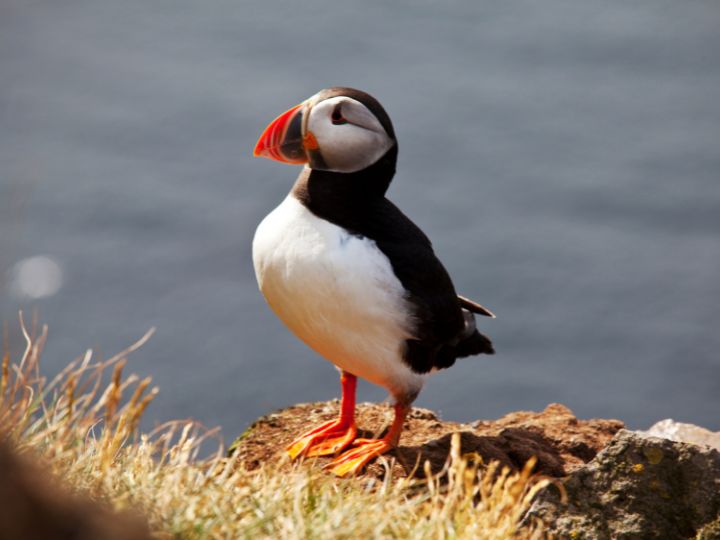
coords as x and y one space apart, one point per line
476 343
422 357
471 341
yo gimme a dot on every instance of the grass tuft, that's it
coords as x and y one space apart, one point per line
85 429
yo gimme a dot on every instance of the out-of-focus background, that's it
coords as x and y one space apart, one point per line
564 157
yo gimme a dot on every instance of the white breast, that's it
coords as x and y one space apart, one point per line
337 293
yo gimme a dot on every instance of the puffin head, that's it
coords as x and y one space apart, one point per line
338 129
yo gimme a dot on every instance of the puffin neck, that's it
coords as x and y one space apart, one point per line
327 193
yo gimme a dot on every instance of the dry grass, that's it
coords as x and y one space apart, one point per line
86 430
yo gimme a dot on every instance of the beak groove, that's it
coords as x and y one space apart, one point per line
282 140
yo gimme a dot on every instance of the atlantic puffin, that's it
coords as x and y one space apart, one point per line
350 274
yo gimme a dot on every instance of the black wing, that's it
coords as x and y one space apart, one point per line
443 331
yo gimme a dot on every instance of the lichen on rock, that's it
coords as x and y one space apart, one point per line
638 487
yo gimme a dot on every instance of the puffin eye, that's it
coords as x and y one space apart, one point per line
336 116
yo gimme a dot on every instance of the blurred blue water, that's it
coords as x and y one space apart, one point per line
563 156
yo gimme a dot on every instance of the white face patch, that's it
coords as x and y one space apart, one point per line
349 136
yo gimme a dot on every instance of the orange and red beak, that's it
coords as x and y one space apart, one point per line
283 139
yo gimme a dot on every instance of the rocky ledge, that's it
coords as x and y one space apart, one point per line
615 483
561 442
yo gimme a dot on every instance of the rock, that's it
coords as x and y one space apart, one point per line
34 507
560 441
638 487
575 441
681 432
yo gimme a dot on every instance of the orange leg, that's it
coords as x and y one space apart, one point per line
364 450
333 436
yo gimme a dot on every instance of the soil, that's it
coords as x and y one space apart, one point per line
560 441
